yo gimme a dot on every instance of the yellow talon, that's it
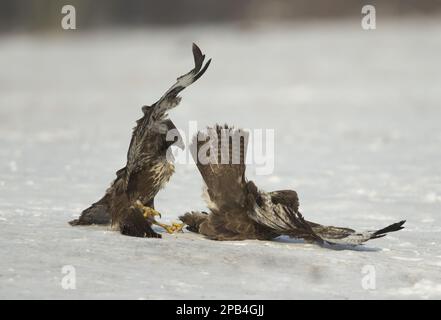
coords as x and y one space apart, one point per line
147 211
177 227
150 214
173 228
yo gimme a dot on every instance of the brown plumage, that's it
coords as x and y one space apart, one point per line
239 210
147 169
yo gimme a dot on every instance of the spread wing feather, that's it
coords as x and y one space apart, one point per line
220 154
143 152
168 100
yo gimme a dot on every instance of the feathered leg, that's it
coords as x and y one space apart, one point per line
134 224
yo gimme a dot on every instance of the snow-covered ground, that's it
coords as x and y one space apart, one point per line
357 133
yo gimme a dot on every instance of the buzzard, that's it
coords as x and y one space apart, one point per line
129 202
239 210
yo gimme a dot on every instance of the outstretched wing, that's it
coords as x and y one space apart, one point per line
345 236
168 100
148 142
220 154
278 211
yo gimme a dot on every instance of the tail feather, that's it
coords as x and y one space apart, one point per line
97 213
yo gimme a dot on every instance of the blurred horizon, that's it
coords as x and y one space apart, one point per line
43 15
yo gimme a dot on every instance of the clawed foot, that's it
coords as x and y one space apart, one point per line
174 227
150 214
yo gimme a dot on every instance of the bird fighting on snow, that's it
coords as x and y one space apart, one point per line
238 209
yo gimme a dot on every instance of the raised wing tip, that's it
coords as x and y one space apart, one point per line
393 227
196 48
198 59
400 224
201 72
197 52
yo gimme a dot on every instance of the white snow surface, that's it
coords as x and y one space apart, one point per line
357 134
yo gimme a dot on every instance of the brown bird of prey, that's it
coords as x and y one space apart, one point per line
239 210
129 202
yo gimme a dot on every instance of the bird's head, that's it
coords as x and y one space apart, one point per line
171 135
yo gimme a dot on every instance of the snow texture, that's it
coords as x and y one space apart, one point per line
357 133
